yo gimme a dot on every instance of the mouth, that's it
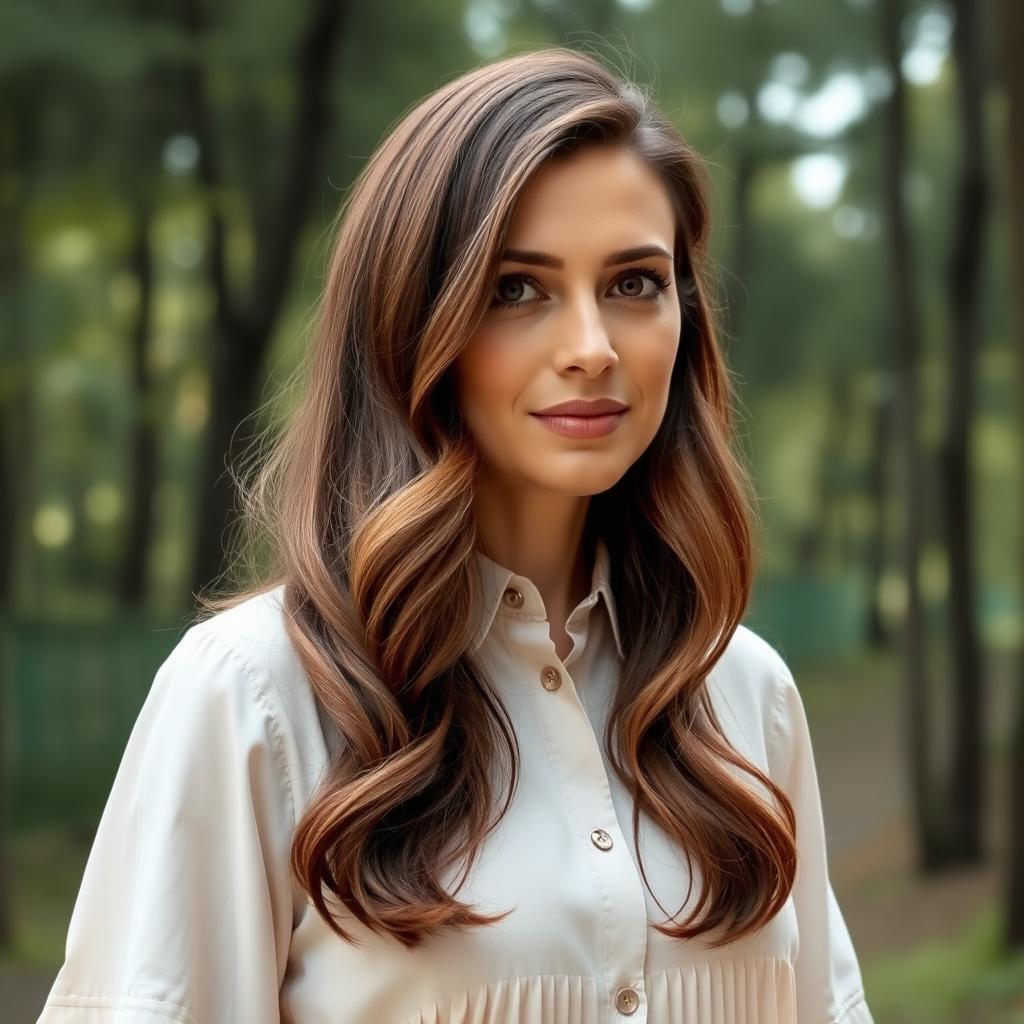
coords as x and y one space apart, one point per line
582 426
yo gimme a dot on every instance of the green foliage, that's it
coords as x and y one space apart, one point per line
968 978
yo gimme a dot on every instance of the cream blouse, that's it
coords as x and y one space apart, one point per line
187 912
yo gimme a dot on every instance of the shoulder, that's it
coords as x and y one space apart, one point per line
253 632
254 636
241 666
747 686
750 667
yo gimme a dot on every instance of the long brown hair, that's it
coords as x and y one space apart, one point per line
364 504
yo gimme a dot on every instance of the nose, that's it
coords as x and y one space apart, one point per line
585 341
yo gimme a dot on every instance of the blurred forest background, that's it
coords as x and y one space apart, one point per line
169 175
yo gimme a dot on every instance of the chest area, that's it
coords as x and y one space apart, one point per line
562 865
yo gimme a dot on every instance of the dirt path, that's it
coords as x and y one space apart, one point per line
22 992
862 773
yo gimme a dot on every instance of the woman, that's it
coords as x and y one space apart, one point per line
489 743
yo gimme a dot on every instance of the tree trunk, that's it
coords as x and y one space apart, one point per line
132 581
906 345
16 442
966 794
813 549
234 387
1009 31
878 492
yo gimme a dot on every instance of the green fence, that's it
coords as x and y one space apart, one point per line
71 693
810 619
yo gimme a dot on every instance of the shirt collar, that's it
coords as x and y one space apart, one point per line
495 579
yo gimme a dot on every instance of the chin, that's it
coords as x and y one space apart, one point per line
580 484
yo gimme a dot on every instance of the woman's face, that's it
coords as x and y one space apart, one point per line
576 326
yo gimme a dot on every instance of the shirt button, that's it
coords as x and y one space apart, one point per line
513 597
602 841
626 1000
551 678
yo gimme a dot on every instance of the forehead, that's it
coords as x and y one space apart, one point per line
604 196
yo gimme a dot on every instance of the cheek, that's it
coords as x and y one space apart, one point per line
490 376
652 359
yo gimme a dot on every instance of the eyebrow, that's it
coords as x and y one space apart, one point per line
544 259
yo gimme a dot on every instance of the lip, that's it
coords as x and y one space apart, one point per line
582 426
583 407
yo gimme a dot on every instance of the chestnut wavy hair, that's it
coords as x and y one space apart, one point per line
364 510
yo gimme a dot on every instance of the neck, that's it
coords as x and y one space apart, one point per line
539 535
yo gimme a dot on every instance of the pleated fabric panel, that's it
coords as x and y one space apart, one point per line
748 990
540 999
744 990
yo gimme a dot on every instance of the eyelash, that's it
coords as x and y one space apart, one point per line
658 278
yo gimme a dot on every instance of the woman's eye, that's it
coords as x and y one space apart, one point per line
510 290
632 285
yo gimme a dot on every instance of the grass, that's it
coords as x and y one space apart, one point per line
964 980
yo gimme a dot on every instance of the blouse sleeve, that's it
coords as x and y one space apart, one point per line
185 907
828 978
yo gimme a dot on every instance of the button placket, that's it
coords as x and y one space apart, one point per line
578 763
